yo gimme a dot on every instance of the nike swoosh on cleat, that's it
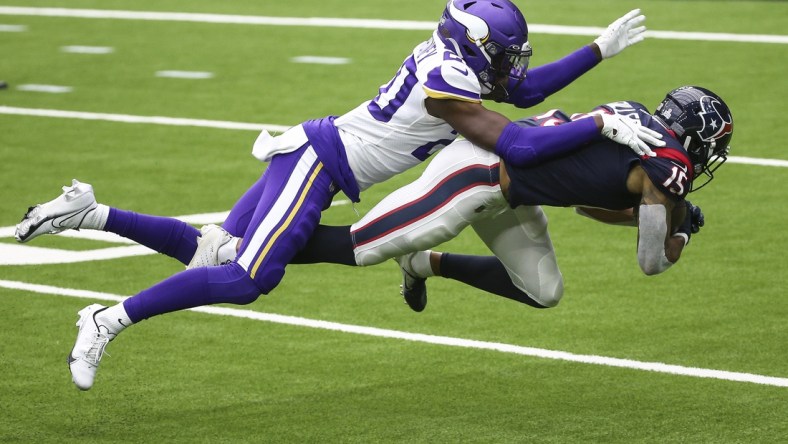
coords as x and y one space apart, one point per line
71 359
57 221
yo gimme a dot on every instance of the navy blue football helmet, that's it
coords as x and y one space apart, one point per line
490 35
703 123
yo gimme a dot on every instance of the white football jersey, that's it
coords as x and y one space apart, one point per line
393 132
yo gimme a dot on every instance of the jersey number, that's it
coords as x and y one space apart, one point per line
406 78
677 181
394 99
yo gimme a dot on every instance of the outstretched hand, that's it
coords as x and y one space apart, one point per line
626 31
631 133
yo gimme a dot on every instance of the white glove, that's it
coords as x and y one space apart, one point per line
623 32
630 132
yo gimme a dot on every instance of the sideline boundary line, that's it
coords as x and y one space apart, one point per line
358 23
656 367
223 124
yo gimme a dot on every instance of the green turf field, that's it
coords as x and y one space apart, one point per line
213 376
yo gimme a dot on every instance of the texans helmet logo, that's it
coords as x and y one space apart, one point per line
714 124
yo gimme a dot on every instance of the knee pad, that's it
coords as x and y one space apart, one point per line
546 287
231 284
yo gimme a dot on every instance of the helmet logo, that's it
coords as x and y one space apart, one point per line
477 29
713 119
667 113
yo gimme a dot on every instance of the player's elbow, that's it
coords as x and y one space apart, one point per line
653 266
652 259
649 270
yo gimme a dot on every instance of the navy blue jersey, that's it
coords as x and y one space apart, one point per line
596 175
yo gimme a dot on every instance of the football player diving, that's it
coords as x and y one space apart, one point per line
479 50
468 186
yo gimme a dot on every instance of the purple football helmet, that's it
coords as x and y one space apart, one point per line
703 123
490 35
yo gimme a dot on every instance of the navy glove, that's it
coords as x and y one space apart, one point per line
692 221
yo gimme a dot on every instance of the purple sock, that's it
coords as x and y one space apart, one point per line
193 288
164 234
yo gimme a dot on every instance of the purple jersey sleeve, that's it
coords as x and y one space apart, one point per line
547 79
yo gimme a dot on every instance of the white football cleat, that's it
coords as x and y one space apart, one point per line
84 359
209 248
413 288
66 211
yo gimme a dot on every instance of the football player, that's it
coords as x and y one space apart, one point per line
469 186
479 50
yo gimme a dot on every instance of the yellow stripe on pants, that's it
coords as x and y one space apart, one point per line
288 220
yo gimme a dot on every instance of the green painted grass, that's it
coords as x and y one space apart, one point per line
192 377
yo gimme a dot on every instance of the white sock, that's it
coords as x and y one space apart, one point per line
114 318
420 264
96 218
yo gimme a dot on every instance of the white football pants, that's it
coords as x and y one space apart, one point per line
460 187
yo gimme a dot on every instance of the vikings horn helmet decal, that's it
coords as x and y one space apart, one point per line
491 36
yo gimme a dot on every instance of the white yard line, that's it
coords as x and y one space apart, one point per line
185 74
656 367
321 60
13 28
80 49
154 120
51 89
358 23
757 161
159 120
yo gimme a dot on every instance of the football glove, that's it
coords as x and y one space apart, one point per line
624 32
631 133
692 221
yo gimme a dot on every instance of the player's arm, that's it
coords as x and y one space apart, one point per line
620 217
545 80
659 244
524 146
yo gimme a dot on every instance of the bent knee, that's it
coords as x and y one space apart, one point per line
369 257
249 293
550 299
548 294
232 284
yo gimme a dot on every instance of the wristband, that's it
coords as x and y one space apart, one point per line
684 236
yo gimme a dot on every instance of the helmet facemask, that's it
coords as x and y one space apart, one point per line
712 159
509 62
